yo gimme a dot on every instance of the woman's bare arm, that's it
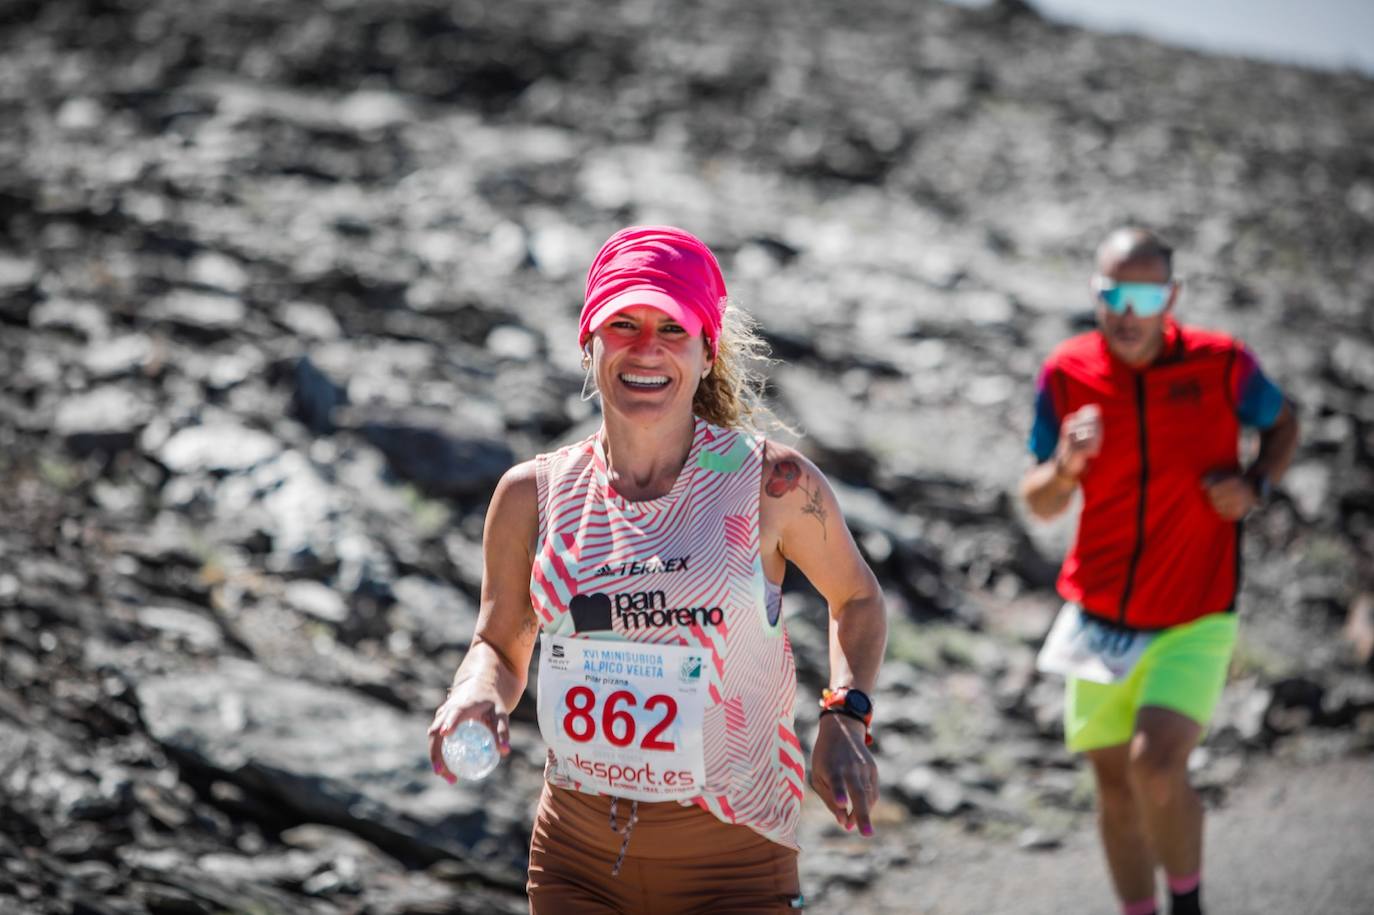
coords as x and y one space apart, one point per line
800 522
492 676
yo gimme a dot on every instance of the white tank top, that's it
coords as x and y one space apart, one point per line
682 569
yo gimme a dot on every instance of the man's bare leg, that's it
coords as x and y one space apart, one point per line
1121 826
1170 809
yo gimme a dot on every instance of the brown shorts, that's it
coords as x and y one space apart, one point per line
680 859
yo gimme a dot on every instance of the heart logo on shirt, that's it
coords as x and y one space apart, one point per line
591 612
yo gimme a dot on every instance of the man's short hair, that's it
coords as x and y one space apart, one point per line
1133 243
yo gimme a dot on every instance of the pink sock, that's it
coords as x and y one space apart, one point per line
1140 907
1180 885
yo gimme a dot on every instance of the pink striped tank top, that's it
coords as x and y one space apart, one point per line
696 550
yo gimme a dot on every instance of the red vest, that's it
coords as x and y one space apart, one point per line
1151 551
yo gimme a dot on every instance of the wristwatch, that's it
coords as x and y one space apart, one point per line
1259 482
852 703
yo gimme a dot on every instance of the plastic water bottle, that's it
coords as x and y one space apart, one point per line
470 751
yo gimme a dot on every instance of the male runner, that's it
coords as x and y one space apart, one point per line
1144 415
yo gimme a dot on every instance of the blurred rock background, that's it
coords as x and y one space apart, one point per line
285 287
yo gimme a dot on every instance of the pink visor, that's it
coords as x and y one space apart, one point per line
661 267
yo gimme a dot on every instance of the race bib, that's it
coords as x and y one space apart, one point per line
625 718
1080 646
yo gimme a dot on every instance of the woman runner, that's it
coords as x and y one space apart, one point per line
648 559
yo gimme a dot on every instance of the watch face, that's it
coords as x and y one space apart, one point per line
858 702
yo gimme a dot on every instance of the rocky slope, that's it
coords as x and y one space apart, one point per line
285 287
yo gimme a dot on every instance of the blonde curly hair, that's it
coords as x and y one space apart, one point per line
731 395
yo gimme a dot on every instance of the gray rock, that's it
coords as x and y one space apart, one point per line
17 275
925 790
1346 699
183 626
912 715
845 870
420 231
371 110
1353 360
1294 703
465 554
1046 701
118 356
332 758
167 541
1241 712
824 413
515 343
290 867
227 370
203 315
315 396
984 307
1209 770
80 114
171 881
1033 838
898 677
436 615
364 567
81 317
107 418
318 600
1308 483
217 271
304 514
310 320
866 512
219 448
96 876
559 250
441 461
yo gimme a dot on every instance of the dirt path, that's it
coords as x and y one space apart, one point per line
1289 840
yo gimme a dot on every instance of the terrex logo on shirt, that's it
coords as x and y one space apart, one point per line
645 567
636 610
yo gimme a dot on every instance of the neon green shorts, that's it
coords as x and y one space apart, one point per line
1183 669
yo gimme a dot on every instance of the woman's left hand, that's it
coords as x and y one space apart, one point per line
843 772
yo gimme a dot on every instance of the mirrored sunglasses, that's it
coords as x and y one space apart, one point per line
1145 300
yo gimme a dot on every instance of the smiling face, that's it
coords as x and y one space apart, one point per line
1131 338
647 366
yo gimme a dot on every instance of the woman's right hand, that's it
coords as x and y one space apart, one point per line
491 678
468 700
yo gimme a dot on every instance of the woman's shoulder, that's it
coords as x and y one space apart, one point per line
513 513
518 487
784 464
521 475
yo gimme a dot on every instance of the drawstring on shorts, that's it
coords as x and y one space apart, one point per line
629 827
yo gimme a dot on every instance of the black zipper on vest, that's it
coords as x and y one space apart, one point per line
1140 507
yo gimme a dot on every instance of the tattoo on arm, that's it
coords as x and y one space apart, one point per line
785 477
529 628
814 506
